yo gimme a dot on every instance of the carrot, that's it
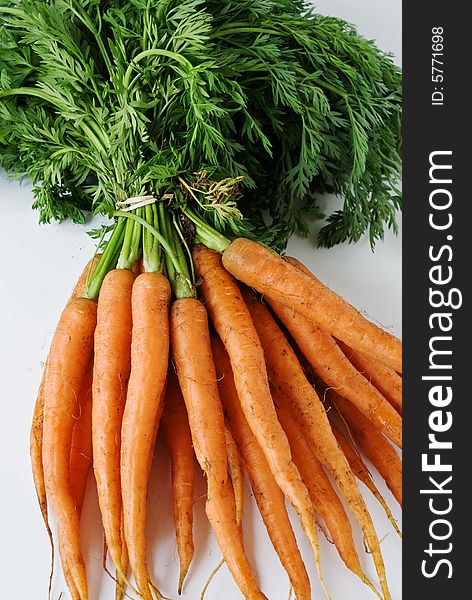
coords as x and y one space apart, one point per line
68 579
196 372
332 366
81 284
142 412
69 357
233 323
179 441
111 370
385 379
121 579
373 444
36 434
362 473
36 456
80 460
325 500
269 497
293 389
137 267
265 271
236 472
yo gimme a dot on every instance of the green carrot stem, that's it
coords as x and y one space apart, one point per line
166 232
152 256
185 246
205 234
185 288
107 261
136 239
153 52
123 260
160 255
179 275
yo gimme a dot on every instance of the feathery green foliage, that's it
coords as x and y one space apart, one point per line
104 100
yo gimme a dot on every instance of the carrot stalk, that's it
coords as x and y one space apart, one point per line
179 441
233 323
300 398
267 493
142 412
69 357
196 372
36 434
262 269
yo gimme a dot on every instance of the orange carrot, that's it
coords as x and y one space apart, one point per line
137 267
68 579
385 379
121 579
332 366
293 389
325 500
81 284
265 271
142 412
236 472
179 441
81 448
111 370
36 455
36 435
69 357
373 444
267 493
362 473
233 323
196 372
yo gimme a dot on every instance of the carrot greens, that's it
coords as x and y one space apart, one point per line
234 108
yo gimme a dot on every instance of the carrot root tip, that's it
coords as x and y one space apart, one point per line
210 578
182 576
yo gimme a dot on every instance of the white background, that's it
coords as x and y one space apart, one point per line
39 268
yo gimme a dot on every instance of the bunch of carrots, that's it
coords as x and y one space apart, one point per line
257 367
202 128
